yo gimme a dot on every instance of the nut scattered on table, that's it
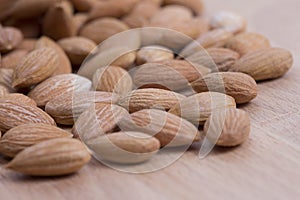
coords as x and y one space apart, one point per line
133 94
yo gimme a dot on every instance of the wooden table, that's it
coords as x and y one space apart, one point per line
267 166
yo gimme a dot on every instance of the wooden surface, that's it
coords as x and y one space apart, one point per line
267 166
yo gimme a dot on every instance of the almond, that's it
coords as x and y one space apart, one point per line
125 147
19 98
171 14
13 113
214 38
112 8
112 79
12 59
58 85
228 128
230 21
79 20
64 64
169 129
6 78
77 48
265 64
28 9
240 86
100 29
67 108
195 5
153 53
248 42
35 67
170 74
125 60
141 14
197 108
53 157
17 139
216 59
27 44
10 38
61 17
97 120
84 5
150 98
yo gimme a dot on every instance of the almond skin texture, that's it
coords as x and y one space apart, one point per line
17 139
169 129
97 120
112 79
233 125
197 108
112 8
35 67
240 86
10 38
265 64
53 157
77 48
61 17
214 38
153 54
58 85
13 113
6 78
216 59
64 64
12 59
3 90
248 42
67 108
125 147
100 29
170 74
150 98
20 98
229 21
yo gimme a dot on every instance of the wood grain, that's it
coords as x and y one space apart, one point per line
266 167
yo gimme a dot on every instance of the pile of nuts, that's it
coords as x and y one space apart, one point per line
161 95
